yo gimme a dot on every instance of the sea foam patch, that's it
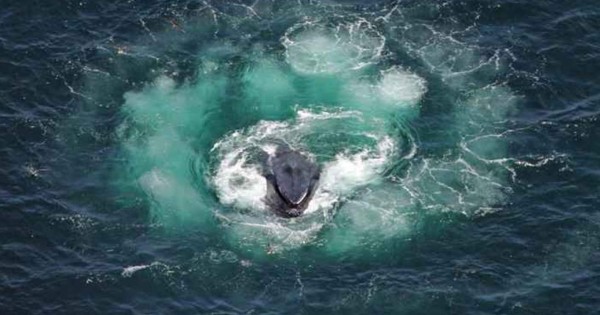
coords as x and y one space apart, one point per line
314 47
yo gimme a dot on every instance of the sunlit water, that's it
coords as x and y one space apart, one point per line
422 117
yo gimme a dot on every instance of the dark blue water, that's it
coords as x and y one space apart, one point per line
459 139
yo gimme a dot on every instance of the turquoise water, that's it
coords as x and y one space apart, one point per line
327 87
454 177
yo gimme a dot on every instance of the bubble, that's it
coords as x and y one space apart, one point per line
395 91
192 145
314 47
369 219
400 87
238 182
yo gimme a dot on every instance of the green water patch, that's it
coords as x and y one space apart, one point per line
334 89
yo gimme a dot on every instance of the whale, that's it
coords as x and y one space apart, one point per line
292 178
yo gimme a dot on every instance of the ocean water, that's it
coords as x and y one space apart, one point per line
457 141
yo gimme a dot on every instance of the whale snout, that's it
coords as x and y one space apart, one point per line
291 182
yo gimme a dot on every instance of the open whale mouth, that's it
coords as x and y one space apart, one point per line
292 202
291 182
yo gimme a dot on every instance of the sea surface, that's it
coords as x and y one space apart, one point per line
459 144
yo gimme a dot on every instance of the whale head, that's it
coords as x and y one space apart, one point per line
292 179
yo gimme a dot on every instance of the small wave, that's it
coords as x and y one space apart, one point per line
129 271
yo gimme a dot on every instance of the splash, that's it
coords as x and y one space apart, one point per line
238 182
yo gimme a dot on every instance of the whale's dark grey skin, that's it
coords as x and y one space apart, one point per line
292 179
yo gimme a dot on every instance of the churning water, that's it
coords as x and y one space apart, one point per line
455 140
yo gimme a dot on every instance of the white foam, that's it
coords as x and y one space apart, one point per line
308 115
129 271
349 171
395 88
178 199
398 86
316 48
238 182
